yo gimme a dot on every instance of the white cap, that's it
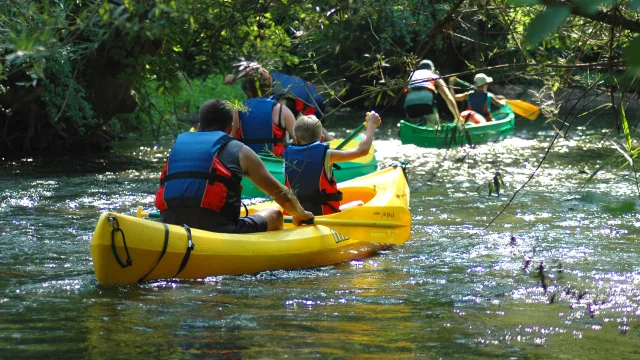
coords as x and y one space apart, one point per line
481 79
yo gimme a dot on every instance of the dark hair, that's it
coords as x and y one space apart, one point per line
215 115
257 83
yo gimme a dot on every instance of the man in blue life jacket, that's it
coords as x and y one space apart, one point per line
200 183
308 164
300 96
420 100
265 124
479 99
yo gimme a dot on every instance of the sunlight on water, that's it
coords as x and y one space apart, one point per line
555 275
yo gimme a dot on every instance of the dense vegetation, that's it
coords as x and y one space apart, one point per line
76 73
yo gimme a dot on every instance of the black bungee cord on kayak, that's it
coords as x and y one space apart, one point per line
187 254
164 250
129 262
116 228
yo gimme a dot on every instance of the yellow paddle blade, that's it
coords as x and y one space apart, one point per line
524 109
378 224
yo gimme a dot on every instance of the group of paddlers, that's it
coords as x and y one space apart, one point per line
282 117
424 84
200 183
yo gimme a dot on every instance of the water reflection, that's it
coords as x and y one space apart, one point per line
455 289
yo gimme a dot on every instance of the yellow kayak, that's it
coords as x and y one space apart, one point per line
155 250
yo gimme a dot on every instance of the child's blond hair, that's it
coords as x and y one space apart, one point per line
308 129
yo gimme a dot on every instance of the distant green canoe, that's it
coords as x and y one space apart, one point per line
348 170
448 136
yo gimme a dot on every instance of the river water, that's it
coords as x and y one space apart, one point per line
456 289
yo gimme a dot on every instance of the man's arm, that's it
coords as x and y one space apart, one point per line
498 101
235 124
451 103
456 97
287 119
255 170
327 136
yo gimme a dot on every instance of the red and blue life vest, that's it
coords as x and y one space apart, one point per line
306 176
195 176
306 99
257 129
480 102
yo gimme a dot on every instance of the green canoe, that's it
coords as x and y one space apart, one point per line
348 170
448 136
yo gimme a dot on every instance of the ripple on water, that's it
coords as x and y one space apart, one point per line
456 287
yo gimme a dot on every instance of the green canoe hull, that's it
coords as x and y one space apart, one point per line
348 170
448 136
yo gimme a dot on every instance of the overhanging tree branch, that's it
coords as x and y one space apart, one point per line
609 18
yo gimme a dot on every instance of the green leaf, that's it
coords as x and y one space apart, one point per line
545 23
524 2
591 6
622 152
625 128
632 52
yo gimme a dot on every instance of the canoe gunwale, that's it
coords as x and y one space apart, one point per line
448 136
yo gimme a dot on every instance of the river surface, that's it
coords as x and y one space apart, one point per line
456 289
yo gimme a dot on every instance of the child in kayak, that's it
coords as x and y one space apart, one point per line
308 164
479 100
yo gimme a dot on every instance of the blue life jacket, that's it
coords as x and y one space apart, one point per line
195 176
305 175
480 102
307 100
257 129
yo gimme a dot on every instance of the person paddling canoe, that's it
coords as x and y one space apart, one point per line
479 100
308 165
200 183
300 96
420 100
265 124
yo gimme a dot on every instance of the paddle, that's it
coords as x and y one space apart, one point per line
519 107
380 224
151 215
355 133
386 224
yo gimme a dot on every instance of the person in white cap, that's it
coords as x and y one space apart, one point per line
479 99
421 92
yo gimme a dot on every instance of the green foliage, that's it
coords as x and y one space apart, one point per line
173 52
64 97
545 23
174 109
632 52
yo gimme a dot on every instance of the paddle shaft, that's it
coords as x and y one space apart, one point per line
464 83
315 221
348 139
337 222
